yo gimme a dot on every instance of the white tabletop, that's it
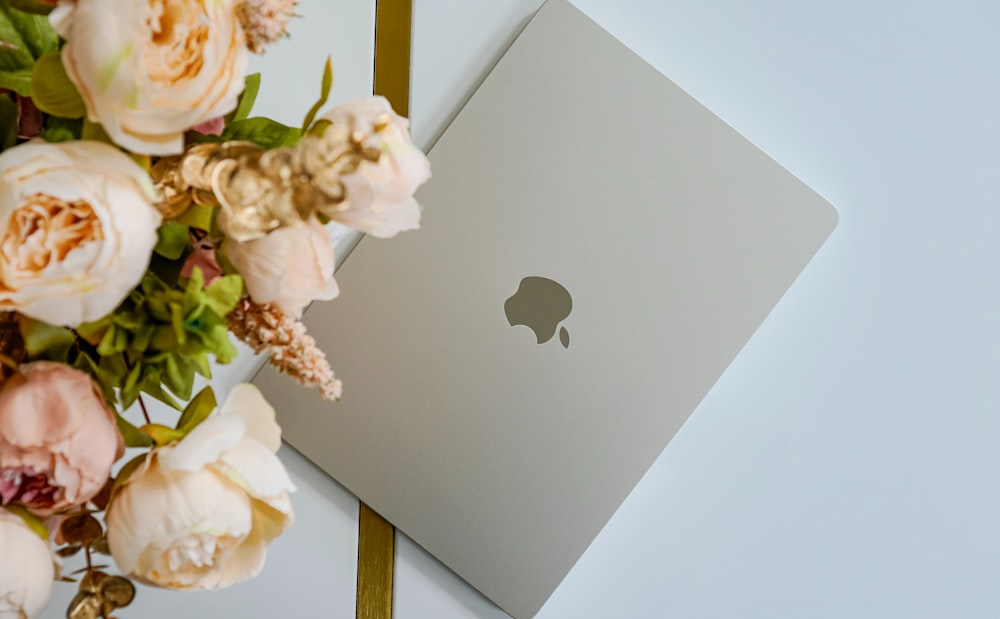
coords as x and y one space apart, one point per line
846 463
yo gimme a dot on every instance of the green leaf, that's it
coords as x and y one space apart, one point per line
62 129
162 435
264 132
324 94
250 90
134 437
222 295
127 471
319 127
18 80
8 122
198 216
32 6
32 521
43 339
178 376
94 131
52 91
197 410
25 37
174 239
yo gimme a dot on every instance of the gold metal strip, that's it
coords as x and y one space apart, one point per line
392 52
376 544
376 537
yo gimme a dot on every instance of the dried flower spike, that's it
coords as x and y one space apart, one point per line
264 21
293 351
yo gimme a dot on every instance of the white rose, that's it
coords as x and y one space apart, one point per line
25 582
380 194
289 267
150 69
77 228
201 512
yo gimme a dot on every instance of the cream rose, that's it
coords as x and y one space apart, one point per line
200 513
150 69
288 267
380 194
77 228
26 571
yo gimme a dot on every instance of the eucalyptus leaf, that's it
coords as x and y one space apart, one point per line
52 91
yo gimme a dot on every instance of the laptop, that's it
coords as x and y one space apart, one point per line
596 248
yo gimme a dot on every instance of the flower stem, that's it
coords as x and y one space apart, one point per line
145 413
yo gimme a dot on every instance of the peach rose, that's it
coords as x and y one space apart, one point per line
150 69
380 194
200 513
288 267
77 229
58 439
25 582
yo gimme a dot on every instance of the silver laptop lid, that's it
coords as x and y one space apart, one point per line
648 240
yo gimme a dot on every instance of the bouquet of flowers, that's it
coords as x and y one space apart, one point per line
146 221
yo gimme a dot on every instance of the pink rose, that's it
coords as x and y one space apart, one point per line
58 439
289 268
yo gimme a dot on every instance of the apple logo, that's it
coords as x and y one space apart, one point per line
540 304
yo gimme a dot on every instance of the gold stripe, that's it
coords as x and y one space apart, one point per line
375 555
392 52
376 537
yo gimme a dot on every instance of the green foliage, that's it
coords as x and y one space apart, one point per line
264 132
45 341
197 410
52 91
34 522
134 437
155 342
62 129
324 94
94 131
26 37
174 240
32 6
250 89
8 122
199 216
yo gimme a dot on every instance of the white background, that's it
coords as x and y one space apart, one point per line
846 464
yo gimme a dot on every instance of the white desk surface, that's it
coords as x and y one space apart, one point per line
847 463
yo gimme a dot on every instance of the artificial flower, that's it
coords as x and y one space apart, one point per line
264 21
26 571
77 228
58 439
200 513
150 69
379 193
288 267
